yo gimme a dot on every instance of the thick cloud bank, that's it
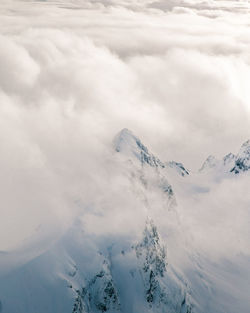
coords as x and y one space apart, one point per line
73 73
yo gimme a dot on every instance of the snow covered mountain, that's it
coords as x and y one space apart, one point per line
131 146
242 160
153 268
231 163
146 167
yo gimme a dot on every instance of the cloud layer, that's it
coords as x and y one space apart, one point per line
73 73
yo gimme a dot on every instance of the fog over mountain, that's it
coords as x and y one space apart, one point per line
125 156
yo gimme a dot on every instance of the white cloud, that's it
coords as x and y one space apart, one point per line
74 74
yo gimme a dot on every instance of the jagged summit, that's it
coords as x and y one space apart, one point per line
151 172
127 143
229 158
231 163
209 163
242 162
246 144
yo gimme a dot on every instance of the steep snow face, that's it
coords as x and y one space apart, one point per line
210 163
242 160
178 167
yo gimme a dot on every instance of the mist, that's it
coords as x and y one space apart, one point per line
74 73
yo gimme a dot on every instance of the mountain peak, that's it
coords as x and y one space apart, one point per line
124 140
242 162
227 158
246 143
231 162
128 144
209 163
244 149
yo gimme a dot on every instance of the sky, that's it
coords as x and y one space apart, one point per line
74 73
